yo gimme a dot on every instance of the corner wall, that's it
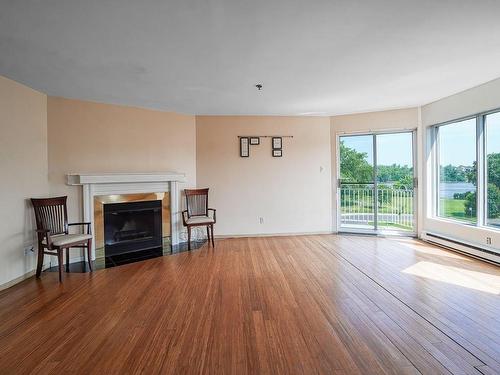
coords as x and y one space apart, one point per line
23 152
400 119
292 194
93 137
479 99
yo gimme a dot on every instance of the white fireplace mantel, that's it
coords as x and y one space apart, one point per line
94 184
114 178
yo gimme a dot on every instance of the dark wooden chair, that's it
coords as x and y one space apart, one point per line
51 216
197 213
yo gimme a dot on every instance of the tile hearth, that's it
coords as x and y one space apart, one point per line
119 260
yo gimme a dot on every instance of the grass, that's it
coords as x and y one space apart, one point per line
402 206
454 209
385 224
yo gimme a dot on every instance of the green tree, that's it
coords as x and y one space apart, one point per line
493 162
404 183
494 168
394 172
452 173
354 166
493 202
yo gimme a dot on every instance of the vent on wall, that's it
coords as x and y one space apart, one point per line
462 247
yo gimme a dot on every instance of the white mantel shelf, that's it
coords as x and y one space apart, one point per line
94 184
116 178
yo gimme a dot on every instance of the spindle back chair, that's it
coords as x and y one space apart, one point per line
51 216
197 213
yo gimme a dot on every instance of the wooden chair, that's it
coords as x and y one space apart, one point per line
53 232
197 213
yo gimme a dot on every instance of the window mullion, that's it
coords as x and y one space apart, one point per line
436 165
481 172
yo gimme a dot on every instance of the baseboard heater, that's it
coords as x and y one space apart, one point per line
462 247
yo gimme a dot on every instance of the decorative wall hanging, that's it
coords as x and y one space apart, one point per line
244 147
277 143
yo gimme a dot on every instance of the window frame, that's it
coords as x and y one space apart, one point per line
481 170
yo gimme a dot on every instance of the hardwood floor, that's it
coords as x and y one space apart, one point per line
279 305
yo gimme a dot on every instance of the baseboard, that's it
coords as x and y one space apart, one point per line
222 236
462 247
31 273
17 280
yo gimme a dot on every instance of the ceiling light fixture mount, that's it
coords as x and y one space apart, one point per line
259 86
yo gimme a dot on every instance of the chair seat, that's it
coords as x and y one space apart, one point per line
200 220
64 239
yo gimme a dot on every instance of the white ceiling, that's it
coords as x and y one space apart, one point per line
204 56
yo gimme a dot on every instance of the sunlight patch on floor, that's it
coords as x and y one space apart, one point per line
431 250
481 281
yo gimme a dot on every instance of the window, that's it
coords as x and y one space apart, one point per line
492 137
457 176
468 170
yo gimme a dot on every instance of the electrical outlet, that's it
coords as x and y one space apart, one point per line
488 240
28 250
261 220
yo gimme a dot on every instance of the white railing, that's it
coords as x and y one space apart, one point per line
395 207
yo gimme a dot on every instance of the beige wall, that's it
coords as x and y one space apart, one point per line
292 194
376 121
92 137
478 99
23 167
401 119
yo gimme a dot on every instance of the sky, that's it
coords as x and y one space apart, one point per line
493 133
391 148
457 143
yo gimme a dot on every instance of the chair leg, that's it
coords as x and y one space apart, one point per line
60 261
208 234
212 234
189 238
39 265
67 259
89 253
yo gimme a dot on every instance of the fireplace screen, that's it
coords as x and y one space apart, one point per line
132 226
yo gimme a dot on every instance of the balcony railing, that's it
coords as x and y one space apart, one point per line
394 207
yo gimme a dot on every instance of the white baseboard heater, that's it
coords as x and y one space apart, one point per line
462 247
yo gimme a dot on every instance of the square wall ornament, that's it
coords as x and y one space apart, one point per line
277 153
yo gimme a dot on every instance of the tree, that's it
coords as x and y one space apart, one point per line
493 163
354 166
394 172
494 168
451 173
493 202
404 183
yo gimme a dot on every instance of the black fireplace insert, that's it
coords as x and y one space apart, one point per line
131 227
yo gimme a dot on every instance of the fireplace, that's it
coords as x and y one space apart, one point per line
102 189
132 227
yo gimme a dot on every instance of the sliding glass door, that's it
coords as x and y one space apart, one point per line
357 182
376 183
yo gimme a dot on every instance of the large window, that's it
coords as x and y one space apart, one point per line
457 176
468 170
492 137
